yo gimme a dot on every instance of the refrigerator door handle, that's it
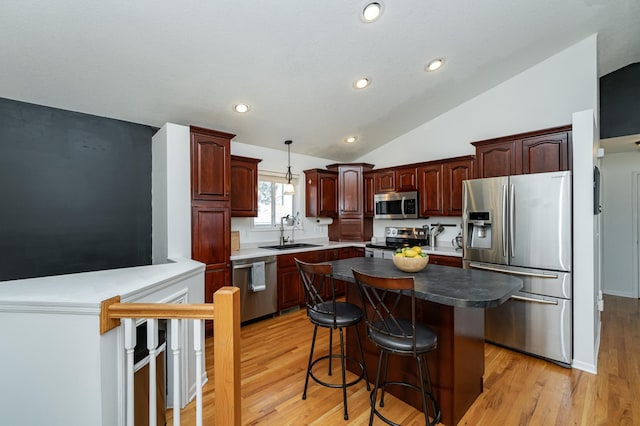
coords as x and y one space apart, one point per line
512 218
504 222
510 271
529 299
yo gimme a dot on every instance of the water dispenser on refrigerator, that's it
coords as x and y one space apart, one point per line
479 229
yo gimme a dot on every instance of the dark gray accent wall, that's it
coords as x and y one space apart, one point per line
620 102
75 192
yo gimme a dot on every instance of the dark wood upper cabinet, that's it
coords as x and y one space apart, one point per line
369 192
430 182
321 193
454 173
540 151
350 191
210 164
244 186
498 159
548 153
384 181
406 179
440 186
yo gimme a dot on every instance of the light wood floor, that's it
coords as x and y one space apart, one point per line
518 389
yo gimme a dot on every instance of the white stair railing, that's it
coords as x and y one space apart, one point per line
226 350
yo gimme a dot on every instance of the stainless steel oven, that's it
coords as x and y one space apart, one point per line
396 205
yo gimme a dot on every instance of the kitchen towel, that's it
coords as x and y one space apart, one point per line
257 277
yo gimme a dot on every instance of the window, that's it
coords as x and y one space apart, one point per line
272 203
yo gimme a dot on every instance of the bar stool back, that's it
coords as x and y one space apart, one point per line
394 330
325 311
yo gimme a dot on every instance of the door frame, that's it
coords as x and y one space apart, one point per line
635 184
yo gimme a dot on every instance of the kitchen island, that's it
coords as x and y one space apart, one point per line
450 301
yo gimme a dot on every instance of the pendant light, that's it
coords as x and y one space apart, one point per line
288 187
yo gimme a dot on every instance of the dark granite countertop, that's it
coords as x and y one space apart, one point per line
467 288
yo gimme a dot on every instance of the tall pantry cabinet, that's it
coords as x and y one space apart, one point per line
211 208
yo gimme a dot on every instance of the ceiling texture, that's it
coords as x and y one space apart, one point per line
293 61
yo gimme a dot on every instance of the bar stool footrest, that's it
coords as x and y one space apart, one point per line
337 385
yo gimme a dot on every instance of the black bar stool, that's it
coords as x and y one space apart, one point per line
393 333
324 311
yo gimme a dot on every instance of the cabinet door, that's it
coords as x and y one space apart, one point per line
350 190
498 159
406 179
244 186
548 153
321 193
454 173
385 181
352 229
214 279
369 191
211 234
327 194
210 167
290 291
430 185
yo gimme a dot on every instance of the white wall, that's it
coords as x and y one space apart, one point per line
617 214
586 245
171 193
276 161
545 95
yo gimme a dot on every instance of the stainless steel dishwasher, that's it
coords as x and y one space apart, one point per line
257 280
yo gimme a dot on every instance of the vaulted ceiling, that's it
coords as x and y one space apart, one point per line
294 62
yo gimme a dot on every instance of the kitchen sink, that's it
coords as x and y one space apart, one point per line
290 246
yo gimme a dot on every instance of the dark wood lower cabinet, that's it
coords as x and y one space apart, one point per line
290 291
215 277
456 365
437 259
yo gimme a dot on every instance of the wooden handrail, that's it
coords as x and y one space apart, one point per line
112 311
161 310
226 339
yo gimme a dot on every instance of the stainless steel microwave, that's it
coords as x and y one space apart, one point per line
396 205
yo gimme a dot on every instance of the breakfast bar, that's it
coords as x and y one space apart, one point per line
451 302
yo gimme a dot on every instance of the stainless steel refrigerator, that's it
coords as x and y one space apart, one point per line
521 225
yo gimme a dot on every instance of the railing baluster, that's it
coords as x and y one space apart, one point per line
152 346
226 347
197 347
129 346
175 350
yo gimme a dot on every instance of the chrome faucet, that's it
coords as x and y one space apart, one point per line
283 239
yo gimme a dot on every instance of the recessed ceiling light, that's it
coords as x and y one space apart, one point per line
351 139
361 83
241 108
371 12
434 65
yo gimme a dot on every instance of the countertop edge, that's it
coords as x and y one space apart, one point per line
251 252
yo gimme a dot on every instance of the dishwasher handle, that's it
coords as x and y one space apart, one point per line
250 265
245 266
